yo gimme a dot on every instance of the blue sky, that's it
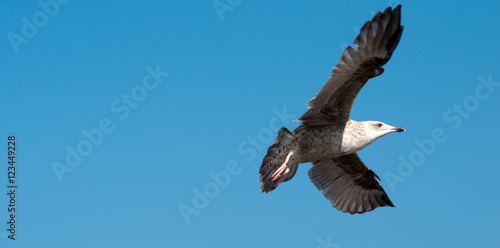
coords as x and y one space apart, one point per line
144 124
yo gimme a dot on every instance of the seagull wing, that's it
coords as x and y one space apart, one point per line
375 44
349 184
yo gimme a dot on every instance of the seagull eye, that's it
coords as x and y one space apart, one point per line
379 125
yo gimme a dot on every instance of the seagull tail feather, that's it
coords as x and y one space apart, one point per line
275 168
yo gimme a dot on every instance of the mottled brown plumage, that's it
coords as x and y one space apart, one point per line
328 138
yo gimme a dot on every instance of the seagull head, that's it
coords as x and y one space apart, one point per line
377 129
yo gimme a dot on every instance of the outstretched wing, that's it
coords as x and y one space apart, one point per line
349 184
375 44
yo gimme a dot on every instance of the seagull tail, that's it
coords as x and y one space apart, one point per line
275 168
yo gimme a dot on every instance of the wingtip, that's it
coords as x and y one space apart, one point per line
387 201
394 9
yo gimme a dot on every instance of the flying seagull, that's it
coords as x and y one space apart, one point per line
328 138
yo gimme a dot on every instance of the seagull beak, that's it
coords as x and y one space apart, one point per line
398 129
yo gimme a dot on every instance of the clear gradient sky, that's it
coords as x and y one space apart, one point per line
144 124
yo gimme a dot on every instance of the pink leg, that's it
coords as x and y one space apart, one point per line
279 174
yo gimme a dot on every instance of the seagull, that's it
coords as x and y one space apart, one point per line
328 138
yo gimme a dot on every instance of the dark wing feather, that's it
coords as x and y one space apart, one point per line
349 184
375 44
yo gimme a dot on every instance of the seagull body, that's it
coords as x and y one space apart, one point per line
326 142
328 138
